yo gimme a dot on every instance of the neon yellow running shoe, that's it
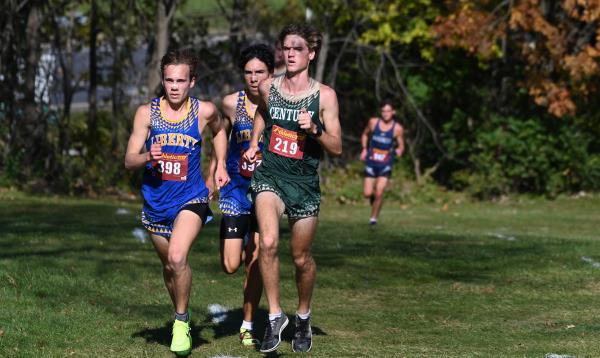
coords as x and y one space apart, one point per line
182 340
247 338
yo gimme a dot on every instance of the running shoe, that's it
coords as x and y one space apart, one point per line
302 341
182 339
247 337
273 334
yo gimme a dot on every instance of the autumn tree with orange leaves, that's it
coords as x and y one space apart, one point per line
557 41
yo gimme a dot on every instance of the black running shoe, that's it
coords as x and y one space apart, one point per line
302 341
273 334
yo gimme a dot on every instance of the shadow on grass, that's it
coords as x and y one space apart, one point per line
367 254
55 229
230 326
370 255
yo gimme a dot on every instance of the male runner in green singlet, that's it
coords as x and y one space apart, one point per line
299 118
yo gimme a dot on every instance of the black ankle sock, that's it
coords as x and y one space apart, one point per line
182 316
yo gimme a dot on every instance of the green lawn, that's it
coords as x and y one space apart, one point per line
466 280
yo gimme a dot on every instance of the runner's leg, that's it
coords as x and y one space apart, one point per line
269 209
303 232
161 245
380 185
185 229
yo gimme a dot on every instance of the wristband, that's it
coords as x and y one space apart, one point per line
319 132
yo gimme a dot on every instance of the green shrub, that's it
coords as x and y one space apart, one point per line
506 154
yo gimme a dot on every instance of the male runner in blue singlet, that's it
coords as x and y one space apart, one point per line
378 152
239 231
166 140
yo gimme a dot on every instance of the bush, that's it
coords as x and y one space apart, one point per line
507 154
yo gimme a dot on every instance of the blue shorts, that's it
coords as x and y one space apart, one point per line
163 226
233 197
378 171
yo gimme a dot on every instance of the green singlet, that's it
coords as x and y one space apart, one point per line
290 156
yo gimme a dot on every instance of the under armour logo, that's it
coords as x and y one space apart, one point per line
230 229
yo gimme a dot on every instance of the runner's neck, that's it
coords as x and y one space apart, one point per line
251 103
297 83
385 126
172 111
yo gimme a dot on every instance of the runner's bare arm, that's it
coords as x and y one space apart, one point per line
136 155
364 138
258 127
228 107
331 138
215 123
258 124
399 134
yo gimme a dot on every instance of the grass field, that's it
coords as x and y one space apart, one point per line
513 279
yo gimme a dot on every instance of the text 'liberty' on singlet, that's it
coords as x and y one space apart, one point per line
239 140
176 178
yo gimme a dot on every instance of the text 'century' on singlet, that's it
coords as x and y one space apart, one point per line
288 150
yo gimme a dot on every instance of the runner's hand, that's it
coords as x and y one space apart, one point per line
399 152
155 151
363 154
306 122
221 177
250 154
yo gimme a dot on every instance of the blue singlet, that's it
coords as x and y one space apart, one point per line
233 199
176 179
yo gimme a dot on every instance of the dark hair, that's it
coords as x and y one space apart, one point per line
309 33
386 102
261 52
180 57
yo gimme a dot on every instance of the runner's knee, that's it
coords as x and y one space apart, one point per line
268 246
177 260
230 266
303 260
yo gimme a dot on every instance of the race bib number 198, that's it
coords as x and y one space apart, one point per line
172 166
287 143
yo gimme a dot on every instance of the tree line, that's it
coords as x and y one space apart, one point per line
495 96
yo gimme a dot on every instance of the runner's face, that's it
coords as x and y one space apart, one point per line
254 72
387 113
177 83
279 60
297 54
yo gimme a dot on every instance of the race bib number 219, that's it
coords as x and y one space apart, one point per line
287 143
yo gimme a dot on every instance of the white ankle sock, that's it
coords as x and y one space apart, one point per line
303 315
273 316
246 325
